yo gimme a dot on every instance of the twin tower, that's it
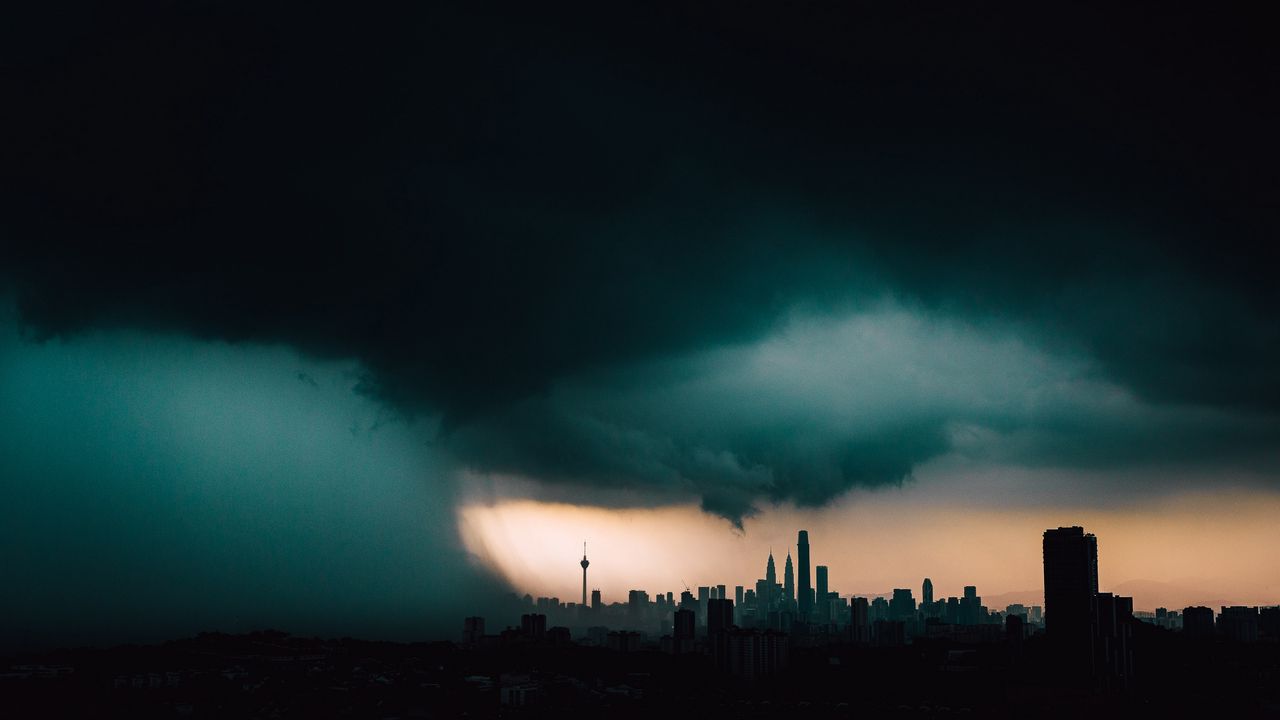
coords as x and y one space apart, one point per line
804 595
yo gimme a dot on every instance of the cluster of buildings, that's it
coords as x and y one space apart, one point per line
750 630
1235 623
1093 630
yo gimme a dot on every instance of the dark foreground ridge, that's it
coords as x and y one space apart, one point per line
272 674
775 653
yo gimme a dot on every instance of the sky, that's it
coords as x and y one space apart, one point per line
349 323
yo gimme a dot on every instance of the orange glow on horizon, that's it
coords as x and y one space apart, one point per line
1187 549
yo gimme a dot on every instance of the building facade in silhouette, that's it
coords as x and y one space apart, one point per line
623 641
804 599
1112 639
970 607
1197 622
789 580
902 606
751 654
823 610
1269 623
719 616
859 621
533 626
684 628
1070 584
1238 623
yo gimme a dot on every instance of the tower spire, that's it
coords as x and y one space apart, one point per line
584 565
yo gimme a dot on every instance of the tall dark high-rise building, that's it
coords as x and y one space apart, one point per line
902 606
1070 587
970 606
1112 627
859 620
764 597
771 572
952 611
533 626
738 591
1070 580
926 593
824 604
1269 623
805 592
684 623
719 616
789 580
1197 622
584 565
1238 623
596 602
637 603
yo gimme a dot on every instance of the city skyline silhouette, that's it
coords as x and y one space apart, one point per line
755 599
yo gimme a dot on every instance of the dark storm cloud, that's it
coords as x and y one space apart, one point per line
826 403
478 203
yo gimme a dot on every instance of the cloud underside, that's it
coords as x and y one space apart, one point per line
826 404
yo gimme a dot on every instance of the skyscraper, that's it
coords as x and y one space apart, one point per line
1070 580
584 565
926 593
902 606
1238 623
824 604
683 621
970 606
719 616
533 626
789 580
859 620
1197 622
1070 583
805 598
